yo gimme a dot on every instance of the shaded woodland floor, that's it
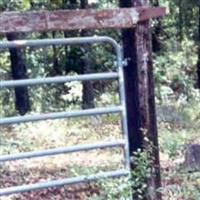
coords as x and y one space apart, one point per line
174 135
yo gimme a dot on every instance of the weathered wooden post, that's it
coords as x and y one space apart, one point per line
140 93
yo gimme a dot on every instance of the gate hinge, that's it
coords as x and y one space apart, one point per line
125 62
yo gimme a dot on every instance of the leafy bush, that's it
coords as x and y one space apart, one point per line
136 184
175 73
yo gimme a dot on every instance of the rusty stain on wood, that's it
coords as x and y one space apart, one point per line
37 21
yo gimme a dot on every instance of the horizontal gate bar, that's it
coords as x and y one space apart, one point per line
62 182
58 79
61 41
56 151
60 115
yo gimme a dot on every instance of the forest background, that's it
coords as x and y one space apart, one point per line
176 54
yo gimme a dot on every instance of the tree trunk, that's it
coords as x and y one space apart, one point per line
140 95
198 63
180 23
56 68
156 43
18 70
85 64
88 90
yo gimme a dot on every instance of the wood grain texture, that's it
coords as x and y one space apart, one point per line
38 21
141 110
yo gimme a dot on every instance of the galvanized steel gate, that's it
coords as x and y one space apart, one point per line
59 115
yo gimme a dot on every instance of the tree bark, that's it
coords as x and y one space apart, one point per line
88 90
56 68
180 24
18 71
140 95
198 63
156 43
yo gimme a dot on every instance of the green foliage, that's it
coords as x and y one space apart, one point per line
175 78
187 187
74 94
173 138
175 72
14 5
114 189
141 173
172 142
123 187
176 133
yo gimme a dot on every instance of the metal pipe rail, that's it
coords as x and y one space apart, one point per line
62 150
61 41
63 182
58 79
60 115
119 75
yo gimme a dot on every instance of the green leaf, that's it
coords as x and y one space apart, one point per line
26 4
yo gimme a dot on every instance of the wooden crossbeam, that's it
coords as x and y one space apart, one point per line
38 21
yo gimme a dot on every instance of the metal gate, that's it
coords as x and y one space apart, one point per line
59 115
